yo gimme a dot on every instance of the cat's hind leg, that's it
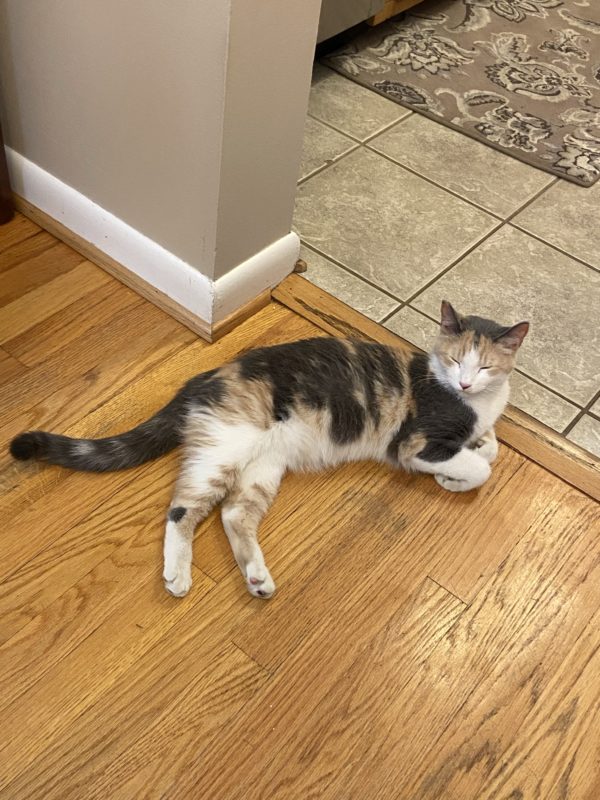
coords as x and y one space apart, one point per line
197 491
458 472
242 514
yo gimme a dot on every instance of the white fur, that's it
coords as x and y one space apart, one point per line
177 553
465 471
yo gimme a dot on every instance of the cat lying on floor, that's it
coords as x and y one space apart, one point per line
309 405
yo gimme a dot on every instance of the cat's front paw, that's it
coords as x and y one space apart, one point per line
178 580
454 485
487 448
259 581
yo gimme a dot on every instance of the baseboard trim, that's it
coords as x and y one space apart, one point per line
116 269
209 308
516 429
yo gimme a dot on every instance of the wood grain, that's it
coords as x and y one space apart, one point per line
19 229
96 308
10 368
556 750
52 704
33 263
421 645
112 267
397 514
40 303
516 429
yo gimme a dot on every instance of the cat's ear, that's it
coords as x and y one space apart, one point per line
513 338
450 322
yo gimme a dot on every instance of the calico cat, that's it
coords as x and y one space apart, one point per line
308 405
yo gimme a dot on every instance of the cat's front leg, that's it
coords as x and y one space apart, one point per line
487 446
458 471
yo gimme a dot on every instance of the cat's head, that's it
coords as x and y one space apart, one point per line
472 353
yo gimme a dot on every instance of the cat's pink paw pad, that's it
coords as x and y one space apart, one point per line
259 581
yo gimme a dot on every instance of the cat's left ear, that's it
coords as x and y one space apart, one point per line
450 322
513 338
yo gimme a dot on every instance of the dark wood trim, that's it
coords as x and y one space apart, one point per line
516 429
7 209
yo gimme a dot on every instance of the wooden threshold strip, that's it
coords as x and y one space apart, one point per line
516 429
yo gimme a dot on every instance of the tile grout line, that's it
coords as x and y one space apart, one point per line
554 247
327 164
581 414
433 183
365 144
370 136
350 271
475 246
496 228
357 142
455 261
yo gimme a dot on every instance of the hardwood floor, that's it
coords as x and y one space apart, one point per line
421 645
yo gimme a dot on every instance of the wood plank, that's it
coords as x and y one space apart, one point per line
10 368
40 303
17 253
30 495
74 322
52 571
384 683
53 703
475 551
63 624
231 321
133 736
83 375
558 742
17 230
54 259
516 429
209 332
401 642
506 646
390 9
397 514
498 643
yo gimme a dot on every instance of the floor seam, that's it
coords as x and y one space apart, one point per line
554 247
581 414
350 271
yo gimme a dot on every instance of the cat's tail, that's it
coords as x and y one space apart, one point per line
151 439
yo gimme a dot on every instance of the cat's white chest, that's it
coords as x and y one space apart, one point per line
488 407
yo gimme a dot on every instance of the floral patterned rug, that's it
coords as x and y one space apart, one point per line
520 75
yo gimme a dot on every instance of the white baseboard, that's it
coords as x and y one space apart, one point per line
210 301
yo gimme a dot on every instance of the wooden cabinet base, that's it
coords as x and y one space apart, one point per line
391 8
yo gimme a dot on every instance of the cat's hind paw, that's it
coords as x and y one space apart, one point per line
178 582
259 581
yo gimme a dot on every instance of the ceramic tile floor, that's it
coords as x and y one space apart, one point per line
396 212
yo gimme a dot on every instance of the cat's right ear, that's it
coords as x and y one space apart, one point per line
450 323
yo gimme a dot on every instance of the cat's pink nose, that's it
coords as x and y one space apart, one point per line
465 385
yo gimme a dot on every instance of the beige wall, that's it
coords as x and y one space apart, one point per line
181 117
271 49
121 100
